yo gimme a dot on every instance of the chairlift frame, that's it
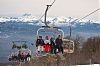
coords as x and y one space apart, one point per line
43 28
21 42
69 43
17 51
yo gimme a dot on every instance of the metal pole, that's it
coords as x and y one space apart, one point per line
70 29
62 32
46 15
39 30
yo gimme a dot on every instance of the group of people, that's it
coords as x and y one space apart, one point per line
49 45
22 57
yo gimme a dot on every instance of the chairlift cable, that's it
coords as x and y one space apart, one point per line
90 13
81 19
86 15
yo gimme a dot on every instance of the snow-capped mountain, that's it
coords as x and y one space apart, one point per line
76 24
55 21
18 19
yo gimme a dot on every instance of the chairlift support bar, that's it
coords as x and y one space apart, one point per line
19 41
48 9
46 15
14 42
62 32
70 27
39 30
53 27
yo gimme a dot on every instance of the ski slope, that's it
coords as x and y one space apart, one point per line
88 65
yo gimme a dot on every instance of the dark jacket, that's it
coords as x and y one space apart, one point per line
52 43
39 42
28 55
19 56
58 41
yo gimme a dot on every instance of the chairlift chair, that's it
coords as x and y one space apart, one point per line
21 44
68 46
16 51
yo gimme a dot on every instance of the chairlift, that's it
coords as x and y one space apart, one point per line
68 46
18 46
22 44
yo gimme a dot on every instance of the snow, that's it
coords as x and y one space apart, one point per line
98 22
18 19
55 21
88 65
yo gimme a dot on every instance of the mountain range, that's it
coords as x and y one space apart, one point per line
77 25
55 21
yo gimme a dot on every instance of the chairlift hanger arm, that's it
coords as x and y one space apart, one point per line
19 42
46 14
48 9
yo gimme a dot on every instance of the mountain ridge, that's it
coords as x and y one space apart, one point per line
55 21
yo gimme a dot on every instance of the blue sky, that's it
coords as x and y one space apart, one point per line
68 8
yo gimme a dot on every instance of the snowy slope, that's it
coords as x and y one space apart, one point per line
88 65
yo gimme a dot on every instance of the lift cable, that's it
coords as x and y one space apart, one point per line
90 13
82 18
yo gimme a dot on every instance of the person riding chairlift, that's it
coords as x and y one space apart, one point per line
28 57
59 43
19 56
40 44
53 46
47 45
23 57
14 56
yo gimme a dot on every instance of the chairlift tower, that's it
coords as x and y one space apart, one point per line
70 28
